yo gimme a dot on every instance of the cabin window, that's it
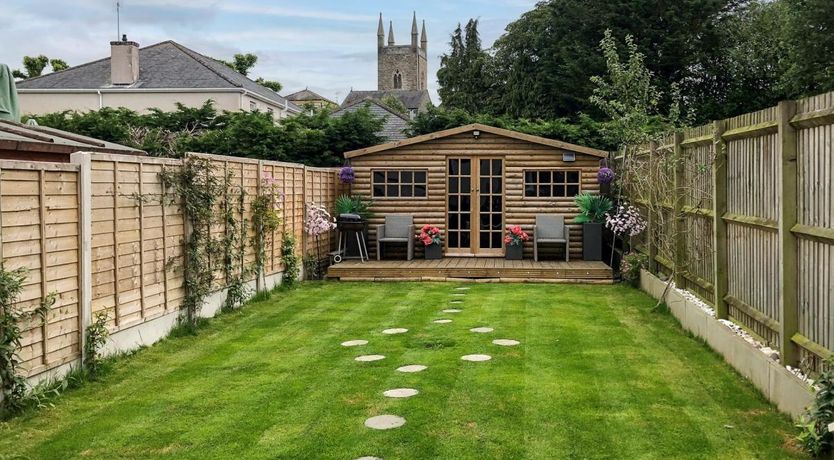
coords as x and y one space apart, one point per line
552 183
395 183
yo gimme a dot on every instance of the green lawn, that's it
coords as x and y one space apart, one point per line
597 375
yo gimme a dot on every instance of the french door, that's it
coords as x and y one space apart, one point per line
475 206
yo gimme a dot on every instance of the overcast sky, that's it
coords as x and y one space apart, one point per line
326 45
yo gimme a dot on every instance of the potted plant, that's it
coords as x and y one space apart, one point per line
514 241
592 212
430 237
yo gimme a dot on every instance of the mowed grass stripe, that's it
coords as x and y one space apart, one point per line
597 375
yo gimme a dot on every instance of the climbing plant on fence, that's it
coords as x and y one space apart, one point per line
199 189
266 218
12 383
234 244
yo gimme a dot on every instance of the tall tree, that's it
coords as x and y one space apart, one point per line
465 75
809 54
545 58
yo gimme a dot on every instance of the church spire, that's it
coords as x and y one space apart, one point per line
391 33
380 33
424 40
414 31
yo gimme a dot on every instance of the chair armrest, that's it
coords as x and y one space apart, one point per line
412 231
567 232
535 237
380 231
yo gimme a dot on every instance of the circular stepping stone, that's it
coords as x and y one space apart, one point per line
459 295
385 422
369 358
462 288
368 458
400 393
396 330
481 330
442 321
412 368
506 342
452 310
354 343
476 358
456 301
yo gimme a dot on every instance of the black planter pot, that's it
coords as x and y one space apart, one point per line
513 251
434 251
591 241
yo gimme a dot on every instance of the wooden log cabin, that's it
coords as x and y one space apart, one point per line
473 181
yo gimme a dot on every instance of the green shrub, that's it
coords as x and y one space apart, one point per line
816 435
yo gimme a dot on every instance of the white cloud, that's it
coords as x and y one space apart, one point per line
269 10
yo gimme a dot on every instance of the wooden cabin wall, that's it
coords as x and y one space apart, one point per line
518 156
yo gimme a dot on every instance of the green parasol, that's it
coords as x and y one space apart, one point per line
9 108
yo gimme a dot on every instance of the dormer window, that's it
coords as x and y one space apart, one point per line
398 80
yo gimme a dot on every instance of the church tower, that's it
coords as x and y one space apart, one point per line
401 66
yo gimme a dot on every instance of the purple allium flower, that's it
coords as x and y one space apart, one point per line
605 175
346 174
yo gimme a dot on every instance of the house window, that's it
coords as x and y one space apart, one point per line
398 80
554 183
270 111
253 106
392 183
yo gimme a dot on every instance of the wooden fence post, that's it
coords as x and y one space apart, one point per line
678 220
651 246
787 240
85 246
719 227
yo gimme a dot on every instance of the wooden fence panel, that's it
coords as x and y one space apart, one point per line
137 241
779 270
39 216
815 222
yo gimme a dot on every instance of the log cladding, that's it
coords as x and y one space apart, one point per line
520 154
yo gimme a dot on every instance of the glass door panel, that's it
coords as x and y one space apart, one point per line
459 206
490 206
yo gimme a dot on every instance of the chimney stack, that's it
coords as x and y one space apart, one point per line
124 62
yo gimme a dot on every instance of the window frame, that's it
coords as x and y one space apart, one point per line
399 183
552 183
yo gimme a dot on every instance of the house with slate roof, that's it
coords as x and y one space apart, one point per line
305 97
393 125
156 76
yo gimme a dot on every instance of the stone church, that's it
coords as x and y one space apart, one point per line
402 71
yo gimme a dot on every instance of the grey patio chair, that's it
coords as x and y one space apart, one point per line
550 229
397 229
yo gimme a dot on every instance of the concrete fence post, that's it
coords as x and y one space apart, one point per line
85 237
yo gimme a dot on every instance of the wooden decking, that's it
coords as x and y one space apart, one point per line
482 269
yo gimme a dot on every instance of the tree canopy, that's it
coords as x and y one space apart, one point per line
35 65
242 63
724 56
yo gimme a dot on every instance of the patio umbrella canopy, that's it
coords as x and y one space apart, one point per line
9 108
